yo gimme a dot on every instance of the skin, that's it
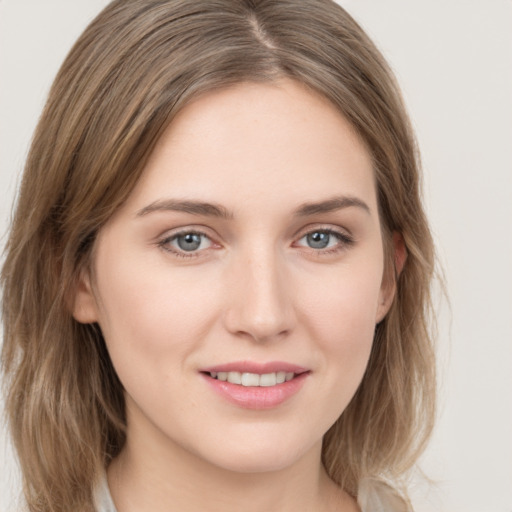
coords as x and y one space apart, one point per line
254 290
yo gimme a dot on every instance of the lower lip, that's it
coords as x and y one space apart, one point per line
257 397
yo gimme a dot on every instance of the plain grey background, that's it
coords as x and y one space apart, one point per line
453 59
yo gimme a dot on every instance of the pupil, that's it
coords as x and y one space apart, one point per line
189 242
318 240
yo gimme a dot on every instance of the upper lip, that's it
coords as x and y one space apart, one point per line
254 367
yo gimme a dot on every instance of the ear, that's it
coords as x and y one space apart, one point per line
83 303
388 287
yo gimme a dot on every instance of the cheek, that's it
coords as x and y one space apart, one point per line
345 331
343 306
340 318
149 314
339 315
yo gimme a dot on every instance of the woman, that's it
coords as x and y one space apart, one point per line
216 290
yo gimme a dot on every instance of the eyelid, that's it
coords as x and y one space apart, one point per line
344 236
329 228
165 239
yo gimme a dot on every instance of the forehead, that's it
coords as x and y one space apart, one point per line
259 143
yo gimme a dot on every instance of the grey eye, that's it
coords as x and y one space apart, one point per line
189 241
318 239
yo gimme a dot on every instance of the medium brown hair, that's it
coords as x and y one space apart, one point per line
136 65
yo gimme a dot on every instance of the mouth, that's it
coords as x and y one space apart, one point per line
256 386
248 379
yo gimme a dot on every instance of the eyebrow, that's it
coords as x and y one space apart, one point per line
216 210
331 205
193 207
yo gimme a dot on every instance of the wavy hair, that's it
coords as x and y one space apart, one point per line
132 70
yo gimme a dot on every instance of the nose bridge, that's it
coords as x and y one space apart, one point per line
260 302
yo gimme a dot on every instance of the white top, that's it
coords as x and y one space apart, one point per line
102 498
374 496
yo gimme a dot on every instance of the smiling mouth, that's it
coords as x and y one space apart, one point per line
253 379
258 387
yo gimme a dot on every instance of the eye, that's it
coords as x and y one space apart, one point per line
186 242
321 239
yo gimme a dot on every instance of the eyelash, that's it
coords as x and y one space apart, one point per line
164 243
344 242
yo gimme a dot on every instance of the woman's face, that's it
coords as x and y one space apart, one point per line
251 251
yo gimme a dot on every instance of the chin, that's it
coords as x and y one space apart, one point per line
261 457
256 464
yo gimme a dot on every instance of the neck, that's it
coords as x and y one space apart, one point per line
149 476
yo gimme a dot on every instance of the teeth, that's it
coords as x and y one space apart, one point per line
250 379
235 377
253 379
268 379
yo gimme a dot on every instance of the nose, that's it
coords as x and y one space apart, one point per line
259 305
